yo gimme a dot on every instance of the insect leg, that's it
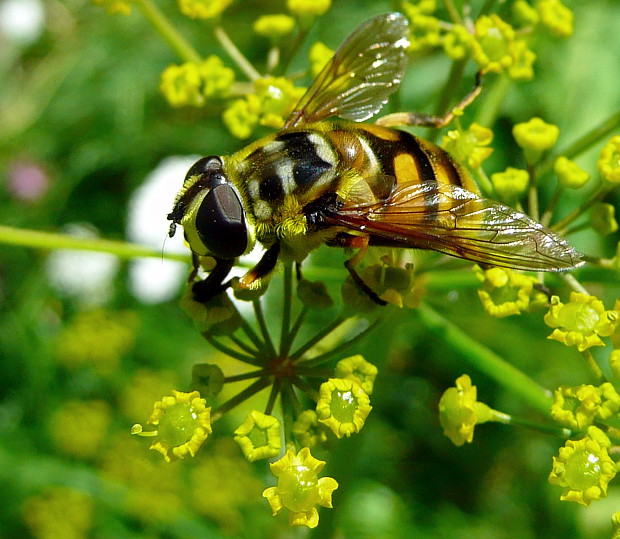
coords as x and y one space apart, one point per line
362 244
263 268
298 271
428 120
214 284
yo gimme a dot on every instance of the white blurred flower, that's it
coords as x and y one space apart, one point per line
82 275
152 280
21 21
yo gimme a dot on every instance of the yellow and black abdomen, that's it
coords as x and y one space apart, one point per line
411 159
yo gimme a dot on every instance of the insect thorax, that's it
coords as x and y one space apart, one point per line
283 175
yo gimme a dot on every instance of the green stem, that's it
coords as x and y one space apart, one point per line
342 347
450 89
163 25
453 13
493 100
286 309
532 195
574 283
252 389
229 351
262 324
294 331
593 365
244 376
273 395
251 334
236 55
553 203
317 338
595 196
500 417
485 360
584 143
49 240
243 345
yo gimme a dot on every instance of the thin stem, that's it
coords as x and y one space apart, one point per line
251 334
294 331
163 25
483 181
229 351
244 376
49 240
453 13
262 324
450 89
595 196
338 350
317 338
507 419
574 283
252 389
532 195
286 308
244 346
593 365
484 359
553 203
307 388
583 143
289 404
236 55
273 395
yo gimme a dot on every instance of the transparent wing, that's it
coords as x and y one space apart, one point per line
454 221
363 73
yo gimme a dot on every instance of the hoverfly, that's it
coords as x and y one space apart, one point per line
326 180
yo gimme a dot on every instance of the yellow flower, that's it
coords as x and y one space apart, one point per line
308 8
58 512
97 339
569 173
511 183
343 406
610 401
357 369
274 26
469 146
609 161
318 56
183 423
203 9
181 85
314 295
241 116
224 487
259 436
576 407
113 7
581 322
505 292
299 489
425 31
615 525
457 42
307 429
535 137
215 77
603 218
218 316
614 363
525 14
496 48
278 96
78 428
460 412
153 489
556 17
584 468
207 379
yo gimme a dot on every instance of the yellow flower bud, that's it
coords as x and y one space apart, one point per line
569 173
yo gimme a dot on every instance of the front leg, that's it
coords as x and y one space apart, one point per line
214 284
262 269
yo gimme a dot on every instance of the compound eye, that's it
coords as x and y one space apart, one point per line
210 166
220 222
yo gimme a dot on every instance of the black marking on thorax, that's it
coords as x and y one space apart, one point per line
308 166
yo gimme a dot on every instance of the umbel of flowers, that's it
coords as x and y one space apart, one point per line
319 401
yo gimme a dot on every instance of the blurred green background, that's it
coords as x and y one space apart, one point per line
85 350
